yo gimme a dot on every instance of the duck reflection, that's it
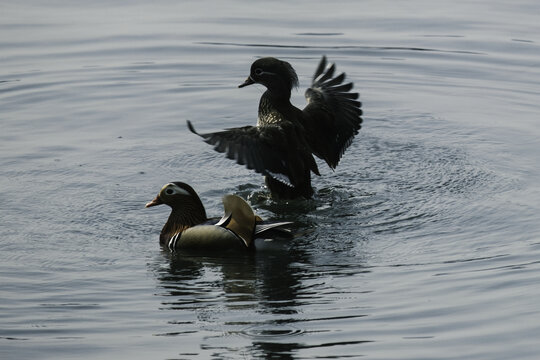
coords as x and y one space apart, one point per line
263 281
234 295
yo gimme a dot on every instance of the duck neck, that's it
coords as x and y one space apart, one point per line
278 92
181 218
273 107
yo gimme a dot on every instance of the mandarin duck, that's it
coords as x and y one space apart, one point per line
282 144
189 228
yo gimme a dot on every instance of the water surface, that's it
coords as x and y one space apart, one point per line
423 244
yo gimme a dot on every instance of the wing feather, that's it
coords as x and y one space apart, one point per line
332 117
262 149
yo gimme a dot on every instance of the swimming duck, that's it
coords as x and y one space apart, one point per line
189 228
282 144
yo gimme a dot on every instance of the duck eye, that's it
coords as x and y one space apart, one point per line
258 71
169 191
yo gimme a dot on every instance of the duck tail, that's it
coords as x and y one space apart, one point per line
272 230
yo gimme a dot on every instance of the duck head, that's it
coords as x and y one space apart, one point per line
275 74
175 194
187 208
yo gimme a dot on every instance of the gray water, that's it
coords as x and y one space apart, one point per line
423 244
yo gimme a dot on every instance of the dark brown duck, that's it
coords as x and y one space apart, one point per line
282 144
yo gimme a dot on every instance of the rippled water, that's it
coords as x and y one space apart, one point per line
423 244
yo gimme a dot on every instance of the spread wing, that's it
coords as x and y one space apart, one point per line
332 116
269 150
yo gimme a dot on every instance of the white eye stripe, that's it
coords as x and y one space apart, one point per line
260 72
183 192
173 189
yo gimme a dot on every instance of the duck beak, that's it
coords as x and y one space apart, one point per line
248 81
156 201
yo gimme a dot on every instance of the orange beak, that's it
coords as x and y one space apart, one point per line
155 202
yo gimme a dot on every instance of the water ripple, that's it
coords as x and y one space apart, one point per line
271 330
341 47
422 244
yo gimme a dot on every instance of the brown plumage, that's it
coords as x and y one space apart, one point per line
189 228
282 144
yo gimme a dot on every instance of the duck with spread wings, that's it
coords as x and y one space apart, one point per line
282 144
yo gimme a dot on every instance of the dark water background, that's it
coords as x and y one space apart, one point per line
424 244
